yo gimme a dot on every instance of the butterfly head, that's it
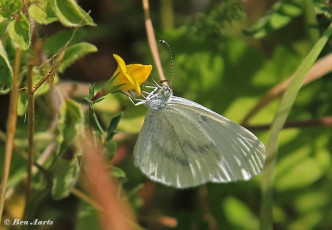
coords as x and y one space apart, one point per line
166 91
157 101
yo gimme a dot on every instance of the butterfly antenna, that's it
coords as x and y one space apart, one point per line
172 61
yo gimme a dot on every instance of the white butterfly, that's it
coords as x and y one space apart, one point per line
184 144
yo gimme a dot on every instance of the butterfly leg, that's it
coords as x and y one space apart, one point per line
140 101
147 93
157 84
149 86
152 92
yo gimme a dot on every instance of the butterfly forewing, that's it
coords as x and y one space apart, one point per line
185 144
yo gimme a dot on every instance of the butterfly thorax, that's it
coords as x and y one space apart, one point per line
159 99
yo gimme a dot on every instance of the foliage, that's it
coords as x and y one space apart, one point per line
221 60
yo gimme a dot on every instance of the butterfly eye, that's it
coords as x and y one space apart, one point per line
166 91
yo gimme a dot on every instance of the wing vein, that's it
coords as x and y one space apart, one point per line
184 152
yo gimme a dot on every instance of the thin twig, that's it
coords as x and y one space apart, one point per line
324 121
167 14
152 40
206 209
31 122
58 56
155 220
11 129
44 156
319 69
31 125
86 198
51 74
20 151
74 89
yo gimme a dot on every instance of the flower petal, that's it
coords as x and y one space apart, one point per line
121 63
139 72
137 88
123 77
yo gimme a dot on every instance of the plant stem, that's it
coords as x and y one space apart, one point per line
277 125
152 39
11 129
31 127
16 149
206 211
51 74
96 122
324 121
93 120
86 198
167 14
31 122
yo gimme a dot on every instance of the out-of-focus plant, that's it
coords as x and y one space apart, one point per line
28 71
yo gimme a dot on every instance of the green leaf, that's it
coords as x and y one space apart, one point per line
91 91
312 200
3 26
71 14
239 214
42 12
58 40
65 169
300 168
73 121
310 220
22 103
216 23
302 174
74 53
17 169
281 13
65 173
87 218
19 31
6 72
113 124
117 172
8 8
110 149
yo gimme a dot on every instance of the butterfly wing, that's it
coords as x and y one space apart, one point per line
185 144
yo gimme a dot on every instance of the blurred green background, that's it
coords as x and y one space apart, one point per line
227 55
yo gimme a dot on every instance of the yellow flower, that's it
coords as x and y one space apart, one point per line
125 77
129 77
